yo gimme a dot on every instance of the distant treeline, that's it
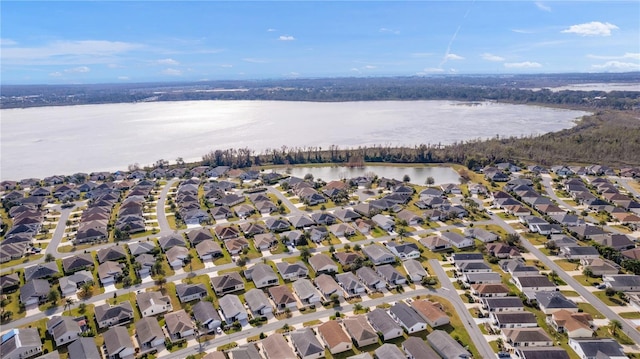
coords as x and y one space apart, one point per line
607 138
513 89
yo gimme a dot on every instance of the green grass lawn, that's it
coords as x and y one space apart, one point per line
25 259
612 301
588 308
569 293
630 315
566 265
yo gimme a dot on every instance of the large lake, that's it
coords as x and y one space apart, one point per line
417 174
38 142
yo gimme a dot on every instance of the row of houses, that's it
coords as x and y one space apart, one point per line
27 222
131 211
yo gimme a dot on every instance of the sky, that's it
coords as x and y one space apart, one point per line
76 42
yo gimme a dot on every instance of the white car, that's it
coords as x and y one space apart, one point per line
219 330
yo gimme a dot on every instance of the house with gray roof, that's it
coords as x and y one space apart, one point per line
9 283
63 329
389 351
207 250
360 331
597 348
118 344
247 351
378 254
391 275
622 282
446 346
551 302
473 267
405 250
542 353
301 221
207 315
509 319
306 292
415 270
265 241
34 292
196 236
480 278
350 283
384 222
83 348
172 240
579 252
20 343
77 262
146 261
188 292
371 279
467 257
141 247
458 240
109 272
227 283
262 275
41 271
232 309
258 302
416 348
149 334
501 304
306 344
292 271
407 317
527 337
109 316
179 325
113 253
481 234
382 322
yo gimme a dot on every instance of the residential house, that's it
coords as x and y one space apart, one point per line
236 245
292 271
20 344
41 271
432 312
597 348
347 259
334 337
378 254
177 257
207 315
226 232
479 278
83 348
188 292
34 292
227 283
579 252
600 267
446 346
306 344
282 297
306 292
534 283
153 303
208 250
404 251
407 317
527 337
328 286
198 235
323 218
109 272
501 304
322 263
342 230
617 241
383 323
9 283
391 275
472 267
435 243
138 248
410 217
416 348
258 302
371 279
244 210
489 290
250 229
415 270
179 325
551 302
275 346
265 241
146 261
510 320
467 257
77 262
221 213
389 351
481 235
350 283
63 329
622 282
384 222
318 233
262 275
457 240
576 325
149 334
542 353
277 224
118 344
301 221
360 331
113 253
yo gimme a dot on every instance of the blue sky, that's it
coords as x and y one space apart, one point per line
98 42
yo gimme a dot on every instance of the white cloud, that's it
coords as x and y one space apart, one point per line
369 67
56 74
389 31
226 65
594 28
355 69
542 6
172 72
271 30
453 57
522 65
628 55
170 62
522 31
617 66
7 42
67 52
254 60
79 69
433 70
123 78
491 57
286 38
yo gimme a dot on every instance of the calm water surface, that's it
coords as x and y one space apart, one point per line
417 175
38 142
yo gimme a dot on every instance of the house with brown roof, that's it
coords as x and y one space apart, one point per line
275 346
236 245
489 290
226 232
179 325
322 263
360 330
328 286
432 312
334 337
436 243
227 283
576 325
283 297
527 337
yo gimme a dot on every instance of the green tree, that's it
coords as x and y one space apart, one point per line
68 302
161 281
305 253
53 296
429 181
49 258
614 326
